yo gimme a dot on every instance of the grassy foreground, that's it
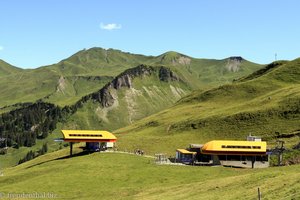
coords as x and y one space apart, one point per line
123 176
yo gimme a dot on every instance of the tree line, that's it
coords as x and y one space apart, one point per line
21 127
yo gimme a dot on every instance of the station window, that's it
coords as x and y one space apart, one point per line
85 135
240 147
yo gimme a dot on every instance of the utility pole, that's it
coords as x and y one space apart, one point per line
275 56
2 140
6 140
71 149
259 193
280 149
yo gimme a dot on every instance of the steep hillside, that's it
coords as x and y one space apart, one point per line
7 69
46 85
99 62
66 82
267 105
26 86
122 176
262 71
207 73
134 94
144 90
70 89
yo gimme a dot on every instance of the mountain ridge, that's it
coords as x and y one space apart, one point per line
200 73
81 53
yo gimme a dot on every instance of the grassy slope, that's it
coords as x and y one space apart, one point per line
80 68
261 106
7 69
98 61
146 96
204 73
81 72
149 96
31 85
121 176
75 87
14 155
26 86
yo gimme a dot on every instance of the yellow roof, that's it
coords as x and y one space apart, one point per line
226 146
88 135
184 151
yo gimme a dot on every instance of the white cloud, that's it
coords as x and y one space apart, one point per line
110 27
1 48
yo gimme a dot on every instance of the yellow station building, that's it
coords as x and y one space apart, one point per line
95 140
247 154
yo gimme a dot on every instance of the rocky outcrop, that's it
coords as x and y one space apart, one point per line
234 63
122 81
165 74
105 97
184 60
174 58
61 85
236 58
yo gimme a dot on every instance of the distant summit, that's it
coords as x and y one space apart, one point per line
174 58
234 63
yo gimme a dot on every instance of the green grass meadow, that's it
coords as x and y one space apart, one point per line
124 176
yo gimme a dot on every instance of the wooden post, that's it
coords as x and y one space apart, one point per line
259 194
252 161
71 149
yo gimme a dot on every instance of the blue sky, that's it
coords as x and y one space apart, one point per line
34 33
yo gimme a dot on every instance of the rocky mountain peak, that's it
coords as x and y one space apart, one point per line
234 63
105 95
